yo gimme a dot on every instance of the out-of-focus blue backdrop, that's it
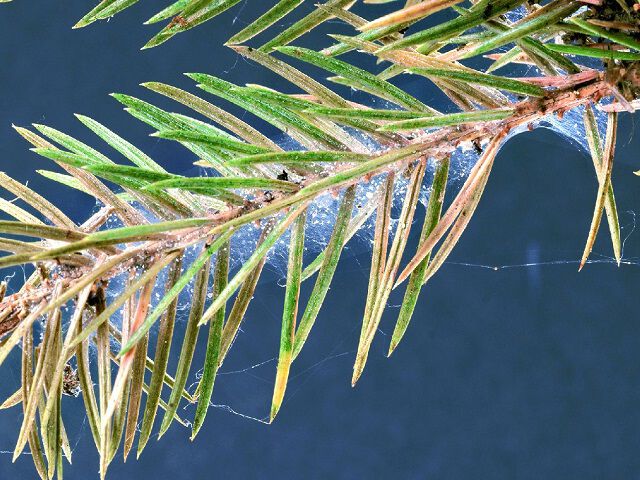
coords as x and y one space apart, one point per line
520 372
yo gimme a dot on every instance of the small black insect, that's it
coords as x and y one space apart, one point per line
97 297
477 147
283 176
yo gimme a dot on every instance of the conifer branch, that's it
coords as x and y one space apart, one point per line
345 148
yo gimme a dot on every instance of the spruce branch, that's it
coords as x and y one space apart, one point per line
344 149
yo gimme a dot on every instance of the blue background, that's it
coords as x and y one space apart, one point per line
516 373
